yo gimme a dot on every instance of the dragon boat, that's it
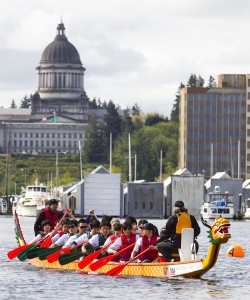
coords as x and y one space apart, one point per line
218 234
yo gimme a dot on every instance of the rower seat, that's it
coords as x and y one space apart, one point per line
187 250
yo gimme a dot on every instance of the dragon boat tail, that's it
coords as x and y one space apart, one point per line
218 234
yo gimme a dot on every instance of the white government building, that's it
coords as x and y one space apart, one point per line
59 112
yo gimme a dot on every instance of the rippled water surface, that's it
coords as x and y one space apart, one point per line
229 279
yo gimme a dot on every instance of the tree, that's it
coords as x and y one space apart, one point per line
113 121
192 80
211 82
13 104
175 110
26 102
93 104
136 110
95 146
154 118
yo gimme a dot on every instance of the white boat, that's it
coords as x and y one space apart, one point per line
247 209
3 206
218 204
31 201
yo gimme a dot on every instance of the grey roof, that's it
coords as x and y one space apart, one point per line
15 111
100 170
60 50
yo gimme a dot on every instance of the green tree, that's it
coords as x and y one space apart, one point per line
26 102
95 145
92 104
192 80
154 118
13 104
175 110
135 110
113 121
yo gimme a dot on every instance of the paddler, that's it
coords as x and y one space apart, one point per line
147 240
51 214
171 238
126 238
98 240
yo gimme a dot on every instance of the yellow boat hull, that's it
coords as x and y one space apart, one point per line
193 268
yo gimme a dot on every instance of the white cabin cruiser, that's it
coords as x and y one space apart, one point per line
218 204
32 201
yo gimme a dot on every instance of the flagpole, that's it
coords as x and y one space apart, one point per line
80 152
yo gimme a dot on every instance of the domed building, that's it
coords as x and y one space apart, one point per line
60 82
58 117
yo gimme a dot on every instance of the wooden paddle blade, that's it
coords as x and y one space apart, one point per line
13 253
44 252
54 256
22 256
101 262
116 270
68 258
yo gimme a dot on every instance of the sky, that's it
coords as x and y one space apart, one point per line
134 51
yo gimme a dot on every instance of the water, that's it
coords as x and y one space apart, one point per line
229 279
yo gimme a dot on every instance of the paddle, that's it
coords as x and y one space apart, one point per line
44 252
22 256
69 257
47 242
87 260
116 270
33 253
14 252
103 261
54 256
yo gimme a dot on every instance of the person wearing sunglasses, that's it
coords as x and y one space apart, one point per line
82 229
73 229
141 223
94 228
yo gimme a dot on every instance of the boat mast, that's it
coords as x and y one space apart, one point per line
8 153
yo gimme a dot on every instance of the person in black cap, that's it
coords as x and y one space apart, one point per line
171 238
51 214
147 240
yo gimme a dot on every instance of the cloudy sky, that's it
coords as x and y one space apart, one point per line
134 51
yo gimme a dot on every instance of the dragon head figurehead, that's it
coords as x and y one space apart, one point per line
219 231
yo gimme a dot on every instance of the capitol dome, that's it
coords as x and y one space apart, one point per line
60 71
60 50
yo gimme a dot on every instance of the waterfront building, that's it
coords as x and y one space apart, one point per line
214 127
59 112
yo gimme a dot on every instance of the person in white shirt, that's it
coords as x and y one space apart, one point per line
94 228
46 227
147 240
73 229
82 229
128 237
98 240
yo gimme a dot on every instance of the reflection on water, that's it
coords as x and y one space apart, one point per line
229 279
